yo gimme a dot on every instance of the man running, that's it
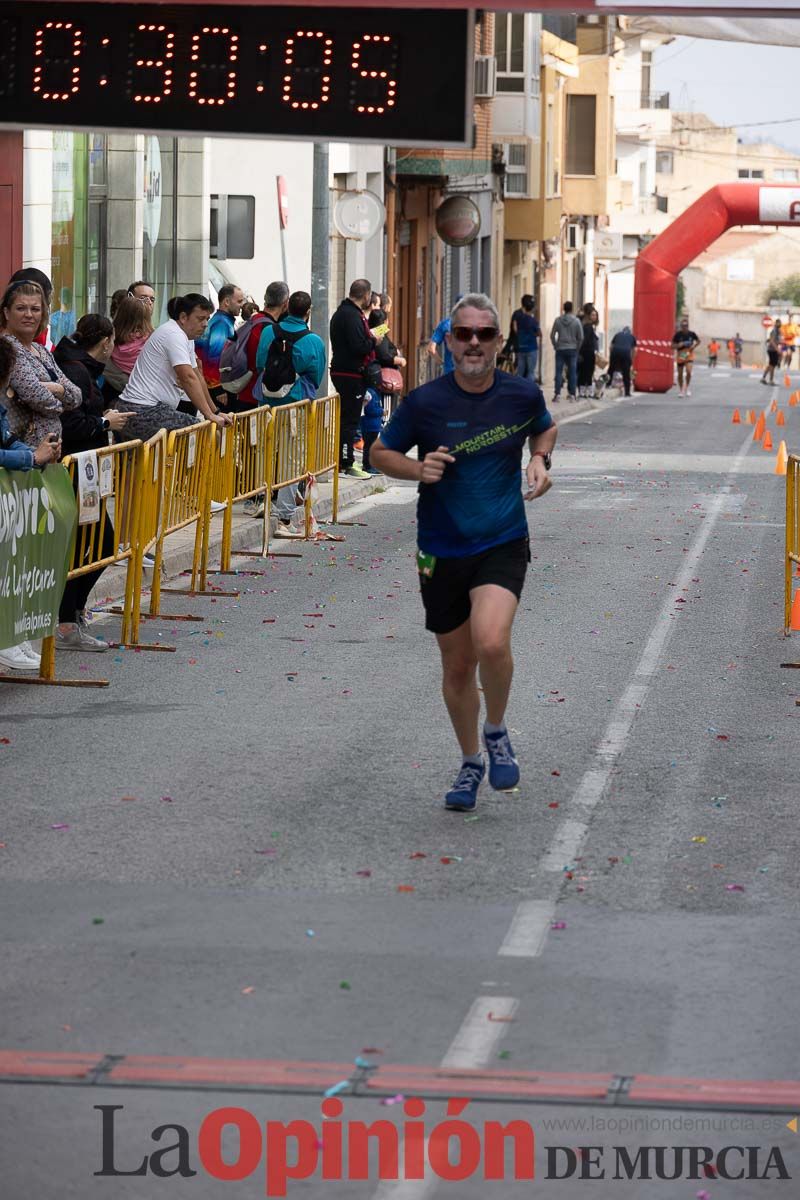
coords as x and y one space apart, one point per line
685 341
470 427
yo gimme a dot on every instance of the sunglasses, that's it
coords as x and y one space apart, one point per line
463 333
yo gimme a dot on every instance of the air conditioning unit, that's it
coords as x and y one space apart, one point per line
573 235
608 243
485 76
516 182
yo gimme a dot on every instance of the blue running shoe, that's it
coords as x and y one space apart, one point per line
463 795
503 766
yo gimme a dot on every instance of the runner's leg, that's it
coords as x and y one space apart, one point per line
491 618
459 687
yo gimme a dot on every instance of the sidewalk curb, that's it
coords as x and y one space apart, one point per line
245 535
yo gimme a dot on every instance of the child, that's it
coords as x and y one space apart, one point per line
371 425
713 351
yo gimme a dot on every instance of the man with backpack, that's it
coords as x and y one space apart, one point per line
238 375
220 329
290 361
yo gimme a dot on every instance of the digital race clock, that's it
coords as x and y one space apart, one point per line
389 75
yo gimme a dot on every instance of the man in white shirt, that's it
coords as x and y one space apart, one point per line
166 373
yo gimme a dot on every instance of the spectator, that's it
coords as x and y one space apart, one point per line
526 333
386 352
143 291
41 391
82 357
276 304
622 347
249 308
439 338
166 372
738 347
132 328
219 330
713 352
371 426
353 346
63 320
16 456
34 275
588 350
116 299
308 361
566 337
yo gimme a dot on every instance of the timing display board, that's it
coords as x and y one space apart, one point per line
399 77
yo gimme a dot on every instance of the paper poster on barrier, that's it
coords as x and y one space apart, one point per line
156 461
253 431
293 421
326 419
37 526
191 451
106 476
88 488
223 441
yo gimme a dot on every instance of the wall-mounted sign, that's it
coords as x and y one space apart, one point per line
359 215
458 221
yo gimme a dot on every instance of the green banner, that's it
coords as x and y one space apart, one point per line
37 528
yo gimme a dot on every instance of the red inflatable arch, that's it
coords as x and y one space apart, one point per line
660 263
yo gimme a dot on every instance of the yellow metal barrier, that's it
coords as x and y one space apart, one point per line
325 418
150 499
110 539
290 435
792 533
187 501
249 469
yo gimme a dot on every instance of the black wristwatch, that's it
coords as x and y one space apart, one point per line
106 424
547 458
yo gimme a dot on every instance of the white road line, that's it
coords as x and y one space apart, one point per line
571 834
528 932
484 1026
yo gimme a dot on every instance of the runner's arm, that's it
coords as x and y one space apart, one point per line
398 466
536 474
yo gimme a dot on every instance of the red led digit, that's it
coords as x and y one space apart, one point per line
159 56
67 61
373 62
307 86
203 70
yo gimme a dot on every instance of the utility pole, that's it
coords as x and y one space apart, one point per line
320 242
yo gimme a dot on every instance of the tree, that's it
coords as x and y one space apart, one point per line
787 289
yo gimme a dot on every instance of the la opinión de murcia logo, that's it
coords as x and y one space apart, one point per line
453 1150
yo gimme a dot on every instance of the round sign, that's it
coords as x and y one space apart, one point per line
458 221
359 215
767 321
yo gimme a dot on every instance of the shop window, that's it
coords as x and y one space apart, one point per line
581 135
233 226
68 236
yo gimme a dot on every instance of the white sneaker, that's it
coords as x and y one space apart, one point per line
254 508
217 506
688 392
14 659
75 637
29 652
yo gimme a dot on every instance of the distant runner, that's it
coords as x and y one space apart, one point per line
774 344
685 341
470 427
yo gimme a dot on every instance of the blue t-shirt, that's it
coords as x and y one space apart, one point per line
478 501
528 330
438 337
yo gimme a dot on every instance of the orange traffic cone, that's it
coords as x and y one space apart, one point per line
767 443
774 406
758 432
750 417
780 419
793 399
794 619
781 460
736 419
787 381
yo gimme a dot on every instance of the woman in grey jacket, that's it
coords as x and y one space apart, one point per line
39 389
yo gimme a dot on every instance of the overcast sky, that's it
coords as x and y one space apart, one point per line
734 84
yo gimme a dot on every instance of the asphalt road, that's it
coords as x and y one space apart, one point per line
256 820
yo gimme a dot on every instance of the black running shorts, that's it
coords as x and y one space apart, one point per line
446 593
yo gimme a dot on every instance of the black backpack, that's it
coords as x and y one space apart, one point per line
279 375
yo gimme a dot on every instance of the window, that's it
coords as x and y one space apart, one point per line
581 137
233 226
515 182
785 174
749 173
665 162
509 51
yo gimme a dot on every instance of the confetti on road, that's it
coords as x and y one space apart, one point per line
558 924
344 986
341 1086
248 991
734 887
59 826
404 887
